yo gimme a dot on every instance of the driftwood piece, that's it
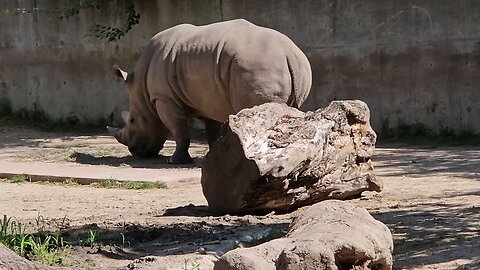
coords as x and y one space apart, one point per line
9 260
328 235
274 157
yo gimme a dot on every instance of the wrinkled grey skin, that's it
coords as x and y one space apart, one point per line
208 72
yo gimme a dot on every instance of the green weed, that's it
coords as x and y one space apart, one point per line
92 238
107 183
122 242
144 185
20 178
194 265
70 182
48 249
51 251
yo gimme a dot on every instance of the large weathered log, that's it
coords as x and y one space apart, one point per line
329 235
9 260
274 157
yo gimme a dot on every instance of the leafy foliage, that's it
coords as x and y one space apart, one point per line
110 33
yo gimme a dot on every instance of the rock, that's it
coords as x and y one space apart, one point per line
332 235
9 260
276 158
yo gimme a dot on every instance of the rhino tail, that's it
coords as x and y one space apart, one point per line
292 99
300 80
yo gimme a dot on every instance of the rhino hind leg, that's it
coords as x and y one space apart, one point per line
212 128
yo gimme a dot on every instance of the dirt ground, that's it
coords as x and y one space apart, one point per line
430 202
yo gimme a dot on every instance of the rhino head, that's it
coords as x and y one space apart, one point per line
143 133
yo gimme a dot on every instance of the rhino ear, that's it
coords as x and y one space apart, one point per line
120 73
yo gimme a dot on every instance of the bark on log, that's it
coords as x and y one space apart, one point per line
328 235
274 157
9 260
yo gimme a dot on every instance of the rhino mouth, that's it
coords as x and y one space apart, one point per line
143 152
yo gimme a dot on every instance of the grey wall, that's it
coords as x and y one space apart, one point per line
411 61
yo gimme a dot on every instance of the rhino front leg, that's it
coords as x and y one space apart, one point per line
175 120
181 155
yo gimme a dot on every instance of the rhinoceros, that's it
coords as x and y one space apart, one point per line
208 72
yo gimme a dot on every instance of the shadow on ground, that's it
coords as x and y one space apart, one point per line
133 241
443 229
190 210
16 136
158 162
409 161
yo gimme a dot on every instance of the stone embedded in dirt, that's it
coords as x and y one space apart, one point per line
11 261
328 235
274 157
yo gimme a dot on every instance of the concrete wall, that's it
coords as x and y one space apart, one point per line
413 62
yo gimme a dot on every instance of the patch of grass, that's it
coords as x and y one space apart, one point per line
70 182
59 146
51 251
107 183
137 185
144 185
45 248
20 178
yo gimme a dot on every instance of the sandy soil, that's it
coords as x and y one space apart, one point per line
431 203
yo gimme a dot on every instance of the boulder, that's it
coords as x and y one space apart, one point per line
332 235
276 158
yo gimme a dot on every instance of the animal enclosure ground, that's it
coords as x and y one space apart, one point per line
430 202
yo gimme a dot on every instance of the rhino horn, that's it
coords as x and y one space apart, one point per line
115 132
125 116
120 73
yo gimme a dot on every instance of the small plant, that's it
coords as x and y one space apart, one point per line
194 265
40 222
51 251
92 238
123 242
20 178
44 248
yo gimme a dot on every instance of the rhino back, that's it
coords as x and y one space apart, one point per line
216 70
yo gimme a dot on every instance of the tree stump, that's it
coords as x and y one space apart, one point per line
275 157
328 235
